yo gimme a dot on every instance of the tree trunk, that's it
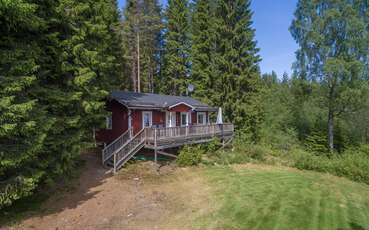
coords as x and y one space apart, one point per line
134 73
138 63
331 129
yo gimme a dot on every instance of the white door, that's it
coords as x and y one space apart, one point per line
171 119
146 119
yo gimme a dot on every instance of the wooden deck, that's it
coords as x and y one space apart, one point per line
162 138
125 147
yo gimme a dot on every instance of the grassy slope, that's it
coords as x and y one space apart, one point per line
256 197
236 197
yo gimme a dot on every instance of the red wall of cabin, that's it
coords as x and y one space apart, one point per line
136 120
180 108
193 118
119 123
120 120
158 119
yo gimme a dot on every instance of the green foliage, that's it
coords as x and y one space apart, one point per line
316 142
353 163
204 74
212 146
23 122
176 66
333 37
190 156
141 36
236 57
58 61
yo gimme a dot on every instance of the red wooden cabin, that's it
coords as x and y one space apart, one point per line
157 122
139 110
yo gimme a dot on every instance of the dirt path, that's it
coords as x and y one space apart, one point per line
140 197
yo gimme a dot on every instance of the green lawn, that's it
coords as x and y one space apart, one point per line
276 198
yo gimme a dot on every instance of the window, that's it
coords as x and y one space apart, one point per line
109 122
201 118
184 119
146 119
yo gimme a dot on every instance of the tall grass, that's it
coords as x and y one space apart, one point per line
353 163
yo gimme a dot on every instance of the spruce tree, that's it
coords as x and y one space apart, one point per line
83 67
59 60
203 73
23 123
238 80
176 66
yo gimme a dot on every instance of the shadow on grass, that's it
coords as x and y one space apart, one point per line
66 195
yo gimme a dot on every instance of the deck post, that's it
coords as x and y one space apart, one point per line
155 144
115 161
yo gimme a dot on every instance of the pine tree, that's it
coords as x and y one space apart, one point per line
238 81
141 29
176 67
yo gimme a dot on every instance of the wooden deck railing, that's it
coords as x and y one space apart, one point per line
109 150
124 147
196 130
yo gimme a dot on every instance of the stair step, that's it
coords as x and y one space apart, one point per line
132 146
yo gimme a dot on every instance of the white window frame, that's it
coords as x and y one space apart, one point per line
129 119
143 116
187 119
109 122
203 118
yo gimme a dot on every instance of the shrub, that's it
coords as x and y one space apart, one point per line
353 163
241 154
212 146
190 156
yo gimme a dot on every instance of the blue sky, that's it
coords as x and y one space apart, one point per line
272 19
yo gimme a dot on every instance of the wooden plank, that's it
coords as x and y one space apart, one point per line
166 154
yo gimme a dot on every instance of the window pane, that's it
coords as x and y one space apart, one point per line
147 119
184 117
173 117
109 122
201 119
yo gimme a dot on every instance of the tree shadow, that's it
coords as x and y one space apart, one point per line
355 226
66 195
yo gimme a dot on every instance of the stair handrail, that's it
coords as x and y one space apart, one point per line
110 149
118 160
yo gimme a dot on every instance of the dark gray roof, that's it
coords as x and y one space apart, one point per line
156 101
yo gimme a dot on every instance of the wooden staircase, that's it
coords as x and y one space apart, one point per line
121 150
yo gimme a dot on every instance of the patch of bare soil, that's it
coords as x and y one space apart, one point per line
142 196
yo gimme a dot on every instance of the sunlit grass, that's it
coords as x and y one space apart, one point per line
278 198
